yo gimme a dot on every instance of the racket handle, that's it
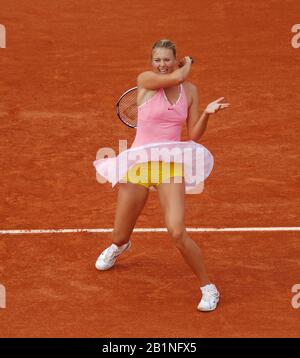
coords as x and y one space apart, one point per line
180 64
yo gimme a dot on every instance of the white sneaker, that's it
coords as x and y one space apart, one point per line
108 257
210 298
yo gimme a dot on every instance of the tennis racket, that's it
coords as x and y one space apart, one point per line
126 106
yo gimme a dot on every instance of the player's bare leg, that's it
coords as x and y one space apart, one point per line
131 200
171 196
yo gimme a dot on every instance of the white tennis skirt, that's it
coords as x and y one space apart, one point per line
196 159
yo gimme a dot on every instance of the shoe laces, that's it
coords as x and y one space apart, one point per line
209 293
111 252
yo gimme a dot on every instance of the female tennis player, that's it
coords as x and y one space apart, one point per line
158 160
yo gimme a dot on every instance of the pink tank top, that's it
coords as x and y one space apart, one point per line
159 120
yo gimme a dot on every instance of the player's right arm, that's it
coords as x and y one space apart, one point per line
152 81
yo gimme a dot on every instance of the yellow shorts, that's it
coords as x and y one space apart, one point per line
153 173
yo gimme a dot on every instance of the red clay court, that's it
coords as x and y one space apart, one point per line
65 64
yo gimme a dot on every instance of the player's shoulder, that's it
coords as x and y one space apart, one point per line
190 86
190 89
144 74
191 92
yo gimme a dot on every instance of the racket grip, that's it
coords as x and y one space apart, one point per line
181 63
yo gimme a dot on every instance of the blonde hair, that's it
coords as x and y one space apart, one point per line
164 44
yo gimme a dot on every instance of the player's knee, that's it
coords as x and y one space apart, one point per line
178 234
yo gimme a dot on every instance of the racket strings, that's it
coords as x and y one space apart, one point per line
127 108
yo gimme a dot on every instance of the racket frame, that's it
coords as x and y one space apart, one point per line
117 107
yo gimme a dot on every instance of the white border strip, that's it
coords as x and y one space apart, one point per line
192 229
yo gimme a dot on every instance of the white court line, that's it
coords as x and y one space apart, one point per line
159 229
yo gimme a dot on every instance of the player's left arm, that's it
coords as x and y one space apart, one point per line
196 123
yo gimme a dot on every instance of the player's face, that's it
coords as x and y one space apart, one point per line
163 61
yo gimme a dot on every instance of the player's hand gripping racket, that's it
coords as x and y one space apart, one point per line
126 106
